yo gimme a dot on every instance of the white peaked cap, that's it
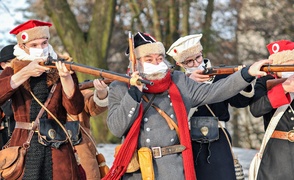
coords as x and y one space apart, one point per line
185 47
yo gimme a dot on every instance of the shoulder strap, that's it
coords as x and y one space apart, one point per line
149 103
37 120
172 125
227 137
54 117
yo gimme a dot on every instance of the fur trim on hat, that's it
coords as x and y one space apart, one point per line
150 48
34 33
182 56
282 57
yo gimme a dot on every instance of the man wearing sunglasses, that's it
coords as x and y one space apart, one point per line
212 154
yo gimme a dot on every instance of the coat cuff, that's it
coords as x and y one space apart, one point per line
246 76
249 93
101 102
277 96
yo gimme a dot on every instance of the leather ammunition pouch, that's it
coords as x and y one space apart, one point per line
74 131
51 134
204 129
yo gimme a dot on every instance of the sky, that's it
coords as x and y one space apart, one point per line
8 19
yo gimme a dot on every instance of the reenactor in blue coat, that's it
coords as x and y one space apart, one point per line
213 158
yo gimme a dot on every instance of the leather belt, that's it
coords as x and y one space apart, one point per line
284 135
24 125
158 152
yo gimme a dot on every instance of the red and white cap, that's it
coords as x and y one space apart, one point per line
31 30
185 47
281 51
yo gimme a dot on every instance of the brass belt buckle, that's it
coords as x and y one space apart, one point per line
290 135
154 149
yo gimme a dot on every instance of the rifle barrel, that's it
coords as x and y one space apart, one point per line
90 84
273 82
95 71
278 68
217 70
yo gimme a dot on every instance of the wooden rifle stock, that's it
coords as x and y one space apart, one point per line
223 69
131 52
90 84
273 82
96 72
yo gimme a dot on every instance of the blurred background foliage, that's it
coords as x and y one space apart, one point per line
95 33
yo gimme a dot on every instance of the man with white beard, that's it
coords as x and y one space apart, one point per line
153 119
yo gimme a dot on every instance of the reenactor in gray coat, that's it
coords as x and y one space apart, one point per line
161 135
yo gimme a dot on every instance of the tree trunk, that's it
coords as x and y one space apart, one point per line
89 47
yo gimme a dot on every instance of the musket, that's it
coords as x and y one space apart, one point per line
223 69
102 73
273 82
89 84
131 52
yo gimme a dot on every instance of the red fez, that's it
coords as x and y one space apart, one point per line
281 51
31 30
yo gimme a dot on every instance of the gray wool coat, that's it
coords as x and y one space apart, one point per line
154 131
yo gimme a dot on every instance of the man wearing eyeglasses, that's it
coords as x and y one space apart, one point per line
211 151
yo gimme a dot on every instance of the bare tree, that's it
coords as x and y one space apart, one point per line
87 45
94 32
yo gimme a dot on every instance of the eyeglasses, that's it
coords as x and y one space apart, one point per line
191 62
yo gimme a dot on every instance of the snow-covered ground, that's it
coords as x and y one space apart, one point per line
244 155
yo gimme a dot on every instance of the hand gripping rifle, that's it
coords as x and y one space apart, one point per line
132 57
102 73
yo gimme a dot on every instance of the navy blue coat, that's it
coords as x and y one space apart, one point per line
214 161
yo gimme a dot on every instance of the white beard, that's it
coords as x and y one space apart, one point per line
155 76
